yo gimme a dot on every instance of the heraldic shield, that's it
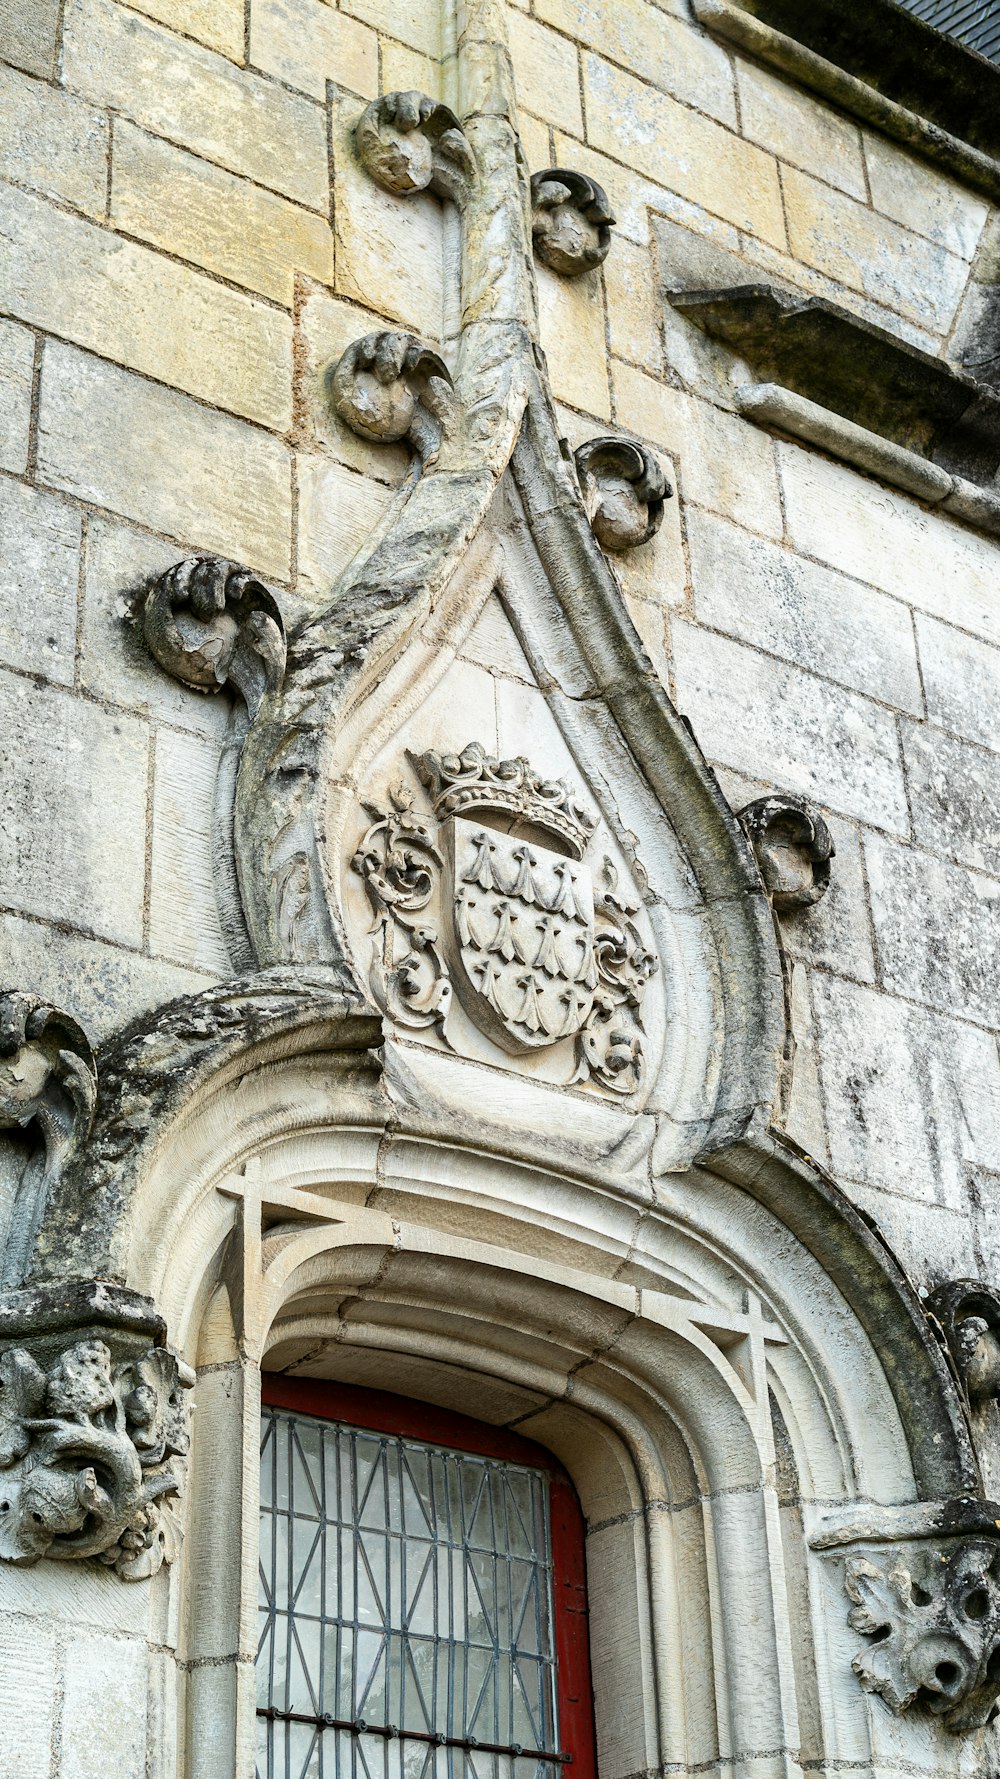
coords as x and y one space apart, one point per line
525 968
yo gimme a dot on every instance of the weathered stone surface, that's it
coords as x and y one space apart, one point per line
183 913
102 985
306 43
415 22
723 462
776 600
748 711
191 208
871 254
647 41
229 484
688 153
388 249
53 143
887 540
39 580
571 319
836 933
105 1701
146 311
184 92
961 680
633 306
935 928
73 790
338 509
219 24
28 1654
955 797
911 1100
547 74
17 358
791 125
915 194
30 34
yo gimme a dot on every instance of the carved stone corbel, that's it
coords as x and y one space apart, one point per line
932 1614
389 387
571 221
93 1429
47 1075
793 847
410 143
208 622
968 1313
624 490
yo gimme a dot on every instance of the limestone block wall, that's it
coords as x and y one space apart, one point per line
188 243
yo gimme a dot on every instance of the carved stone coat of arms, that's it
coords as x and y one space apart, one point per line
535 953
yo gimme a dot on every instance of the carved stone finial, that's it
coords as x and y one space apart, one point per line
624 489
47 1074
474 780
793 847
571 221
969 1314
934 1620
389 387
208 621
409 143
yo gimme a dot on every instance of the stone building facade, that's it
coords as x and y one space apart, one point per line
499 711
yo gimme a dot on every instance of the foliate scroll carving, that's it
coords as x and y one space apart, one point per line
409 143
793 847
933 1617
571 221
390 388
89 1452
624 489
968 1313
47 1075
611 1045
208 622
460 784
400 866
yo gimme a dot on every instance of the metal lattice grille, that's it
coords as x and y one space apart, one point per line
405 1610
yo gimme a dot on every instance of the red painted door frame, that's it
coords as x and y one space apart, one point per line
380 1412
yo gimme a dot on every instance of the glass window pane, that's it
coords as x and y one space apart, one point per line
406 1588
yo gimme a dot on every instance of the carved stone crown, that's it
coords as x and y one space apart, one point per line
474 781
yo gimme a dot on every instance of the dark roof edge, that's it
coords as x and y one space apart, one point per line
954 153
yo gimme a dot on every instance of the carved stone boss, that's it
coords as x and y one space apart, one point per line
534 955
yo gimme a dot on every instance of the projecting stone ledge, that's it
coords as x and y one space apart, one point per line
860 393
879 62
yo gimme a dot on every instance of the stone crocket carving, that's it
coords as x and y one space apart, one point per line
85 1456
623 489
793 847
934 1621
571 221
410 143
390 388
208 622
968 1313
47 1075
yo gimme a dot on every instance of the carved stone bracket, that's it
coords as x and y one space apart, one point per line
208 622
793 847
388 387
571 221
624 489
968 1313
410 143
47 1075
932 1614
93 1430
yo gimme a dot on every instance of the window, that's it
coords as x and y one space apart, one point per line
422 1603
